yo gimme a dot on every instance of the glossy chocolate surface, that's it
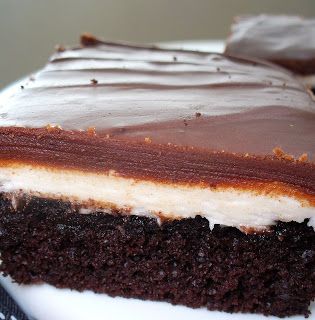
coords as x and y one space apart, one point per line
285 40
164 114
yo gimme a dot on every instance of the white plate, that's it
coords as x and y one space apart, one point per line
44 302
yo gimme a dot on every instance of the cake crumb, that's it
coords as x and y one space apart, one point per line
255 231
185 122
107 136
279 153
60 48
22 87
91 131
281 237
52 128
198 114
175 58
94 81
303 157
49 127
87 39
218 69
147 140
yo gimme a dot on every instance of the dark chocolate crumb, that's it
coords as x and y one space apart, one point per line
94 81
175 58
179 261
280 237
198 114
88 40
22 87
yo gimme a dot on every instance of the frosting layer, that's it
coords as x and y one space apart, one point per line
185 98
244 209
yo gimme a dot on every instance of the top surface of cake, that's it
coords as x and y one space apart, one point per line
169 132
286 40
203 100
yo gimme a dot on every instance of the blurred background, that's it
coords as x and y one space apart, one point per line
29 29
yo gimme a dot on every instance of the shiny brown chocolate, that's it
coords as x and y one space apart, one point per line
171 115
286 40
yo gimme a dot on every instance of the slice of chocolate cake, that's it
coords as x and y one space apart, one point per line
161 174
285 40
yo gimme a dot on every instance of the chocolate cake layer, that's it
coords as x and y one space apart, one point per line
285 40
182 262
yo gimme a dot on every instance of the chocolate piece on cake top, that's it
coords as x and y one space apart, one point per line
285 40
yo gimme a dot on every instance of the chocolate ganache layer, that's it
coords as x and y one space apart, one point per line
162 120
286 40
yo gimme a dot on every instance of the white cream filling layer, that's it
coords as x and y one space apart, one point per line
231 207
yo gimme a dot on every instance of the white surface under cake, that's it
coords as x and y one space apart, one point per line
44 302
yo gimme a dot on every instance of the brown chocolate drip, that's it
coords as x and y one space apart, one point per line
285 40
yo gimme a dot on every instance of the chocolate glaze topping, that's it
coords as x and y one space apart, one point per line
162 114
285 40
